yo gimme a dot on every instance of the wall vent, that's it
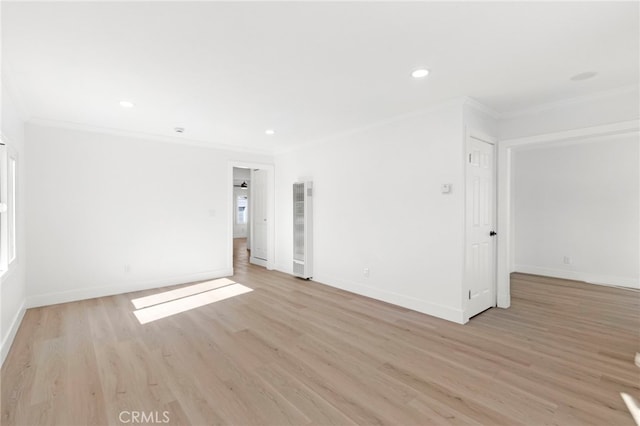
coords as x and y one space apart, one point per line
303 230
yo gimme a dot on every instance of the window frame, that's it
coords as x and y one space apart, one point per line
12 191
9 165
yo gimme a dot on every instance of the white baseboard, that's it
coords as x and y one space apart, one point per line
287 269
423 306
7 340
257 261
90 293
607 280
504 300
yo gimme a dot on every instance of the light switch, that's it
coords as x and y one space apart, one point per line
445 188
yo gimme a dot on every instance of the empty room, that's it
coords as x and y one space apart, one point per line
320 213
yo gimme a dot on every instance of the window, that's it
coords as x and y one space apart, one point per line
8 201
11 226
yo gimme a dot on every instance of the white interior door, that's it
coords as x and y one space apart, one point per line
480 253
259 217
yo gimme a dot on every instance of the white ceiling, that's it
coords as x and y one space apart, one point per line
228 71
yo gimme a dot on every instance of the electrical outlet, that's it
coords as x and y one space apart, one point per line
365 272
567 260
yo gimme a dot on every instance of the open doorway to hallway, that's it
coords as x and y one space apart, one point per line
241 217
251 219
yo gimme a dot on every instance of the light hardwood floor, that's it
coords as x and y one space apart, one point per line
297 352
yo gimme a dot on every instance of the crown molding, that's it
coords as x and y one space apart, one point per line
459 101
482 107
536 109
9 86
584 134
146 136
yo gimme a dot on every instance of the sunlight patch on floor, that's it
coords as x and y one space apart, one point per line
632 405
154 299
183 304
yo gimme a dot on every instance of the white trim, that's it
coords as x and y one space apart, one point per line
4 199
12 195
260 262
576 134
9 219
418 305
605 280
506 222
93 292
577 140
482 108
477 134
567 102
310 143
286 268
13 91
7 340
146 136
271 216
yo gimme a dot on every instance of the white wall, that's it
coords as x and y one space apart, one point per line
479 119
111 214
241 174
13 283
598 109
580 201
378 205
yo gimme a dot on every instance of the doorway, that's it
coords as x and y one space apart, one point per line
241 185
507 149
251 224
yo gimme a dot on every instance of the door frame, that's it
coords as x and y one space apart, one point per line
271 251
505 194
478 135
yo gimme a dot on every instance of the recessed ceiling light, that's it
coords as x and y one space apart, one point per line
126 104
584 76
420 73
270 132
179 129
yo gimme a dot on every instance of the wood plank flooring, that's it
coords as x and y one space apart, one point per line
297 352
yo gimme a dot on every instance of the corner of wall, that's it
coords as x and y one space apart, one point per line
38 300
13 284
599 279
418 305
8 339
